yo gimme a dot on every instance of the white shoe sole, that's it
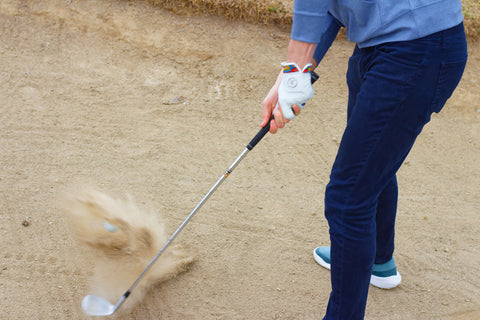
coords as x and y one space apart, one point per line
320 261
386 282
379 282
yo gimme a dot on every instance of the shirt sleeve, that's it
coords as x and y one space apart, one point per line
309 19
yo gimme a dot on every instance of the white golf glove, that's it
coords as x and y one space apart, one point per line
295 88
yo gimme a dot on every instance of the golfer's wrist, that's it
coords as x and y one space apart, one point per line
301 53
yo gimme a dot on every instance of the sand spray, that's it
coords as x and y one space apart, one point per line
122 240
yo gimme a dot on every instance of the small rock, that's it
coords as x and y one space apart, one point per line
176 100
25 223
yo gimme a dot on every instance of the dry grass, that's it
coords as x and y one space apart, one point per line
471 12
270 12
279 12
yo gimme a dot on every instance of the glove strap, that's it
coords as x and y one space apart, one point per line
293 67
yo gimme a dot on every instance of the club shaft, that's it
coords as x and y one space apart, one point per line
185 222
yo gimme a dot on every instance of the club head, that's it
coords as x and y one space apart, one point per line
97 306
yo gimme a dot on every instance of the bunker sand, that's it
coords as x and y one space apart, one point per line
130 98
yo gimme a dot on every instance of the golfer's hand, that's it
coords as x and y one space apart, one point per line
270 107
295 88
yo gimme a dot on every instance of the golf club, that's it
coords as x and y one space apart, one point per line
97 306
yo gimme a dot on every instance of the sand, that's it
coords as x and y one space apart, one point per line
130 99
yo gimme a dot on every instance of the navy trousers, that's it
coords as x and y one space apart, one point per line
393 90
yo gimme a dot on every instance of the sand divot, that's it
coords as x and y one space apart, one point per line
119 257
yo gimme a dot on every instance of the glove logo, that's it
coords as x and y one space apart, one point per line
292 83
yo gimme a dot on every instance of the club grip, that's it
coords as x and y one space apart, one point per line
266 128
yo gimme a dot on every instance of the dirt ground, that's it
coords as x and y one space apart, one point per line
133 99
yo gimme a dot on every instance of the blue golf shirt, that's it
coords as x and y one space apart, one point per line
371 22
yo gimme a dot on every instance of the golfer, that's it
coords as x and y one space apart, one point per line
408 59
